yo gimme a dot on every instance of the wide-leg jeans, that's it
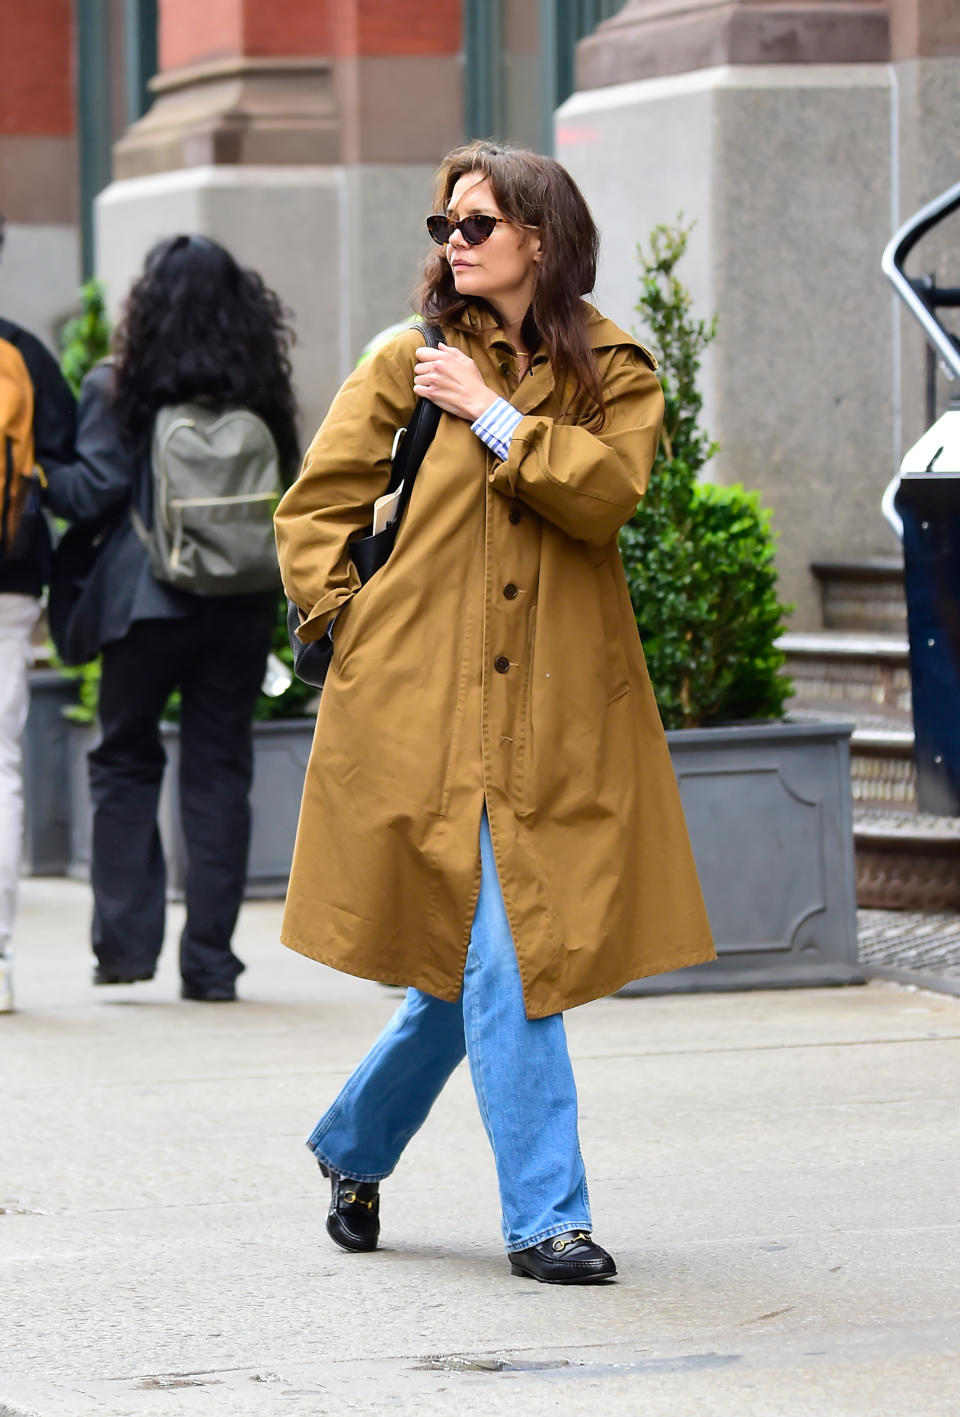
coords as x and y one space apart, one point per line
521 1075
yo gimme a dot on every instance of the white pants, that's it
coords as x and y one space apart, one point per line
18 615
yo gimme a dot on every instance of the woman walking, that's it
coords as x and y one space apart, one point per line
197 330
490 816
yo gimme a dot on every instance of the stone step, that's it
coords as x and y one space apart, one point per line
907 860
847 673
863 595
882 771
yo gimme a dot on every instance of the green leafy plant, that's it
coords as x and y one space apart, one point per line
296 700
699 558
87 677
86 338
299 698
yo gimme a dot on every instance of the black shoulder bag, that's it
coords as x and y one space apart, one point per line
368 552
78 586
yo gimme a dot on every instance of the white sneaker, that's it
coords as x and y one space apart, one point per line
6 984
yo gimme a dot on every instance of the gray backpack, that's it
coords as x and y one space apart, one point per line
216 484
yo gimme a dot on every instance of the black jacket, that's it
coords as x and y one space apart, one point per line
54 422
101 485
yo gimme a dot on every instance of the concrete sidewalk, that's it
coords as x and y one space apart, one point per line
778 1175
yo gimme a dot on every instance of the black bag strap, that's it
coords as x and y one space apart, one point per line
419 433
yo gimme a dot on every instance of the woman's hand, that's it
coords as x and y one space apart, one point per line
451 380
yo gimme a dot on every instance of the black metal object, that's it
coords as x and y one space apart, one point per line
892 263
935 297
929 505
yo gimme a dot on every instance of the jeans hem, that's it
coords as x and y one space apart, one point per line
563 1228
349 1175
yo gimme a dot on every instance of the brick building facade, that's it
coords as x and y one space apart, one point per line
304 134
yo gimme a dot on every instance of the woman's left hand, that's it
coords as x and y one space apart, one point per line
450 379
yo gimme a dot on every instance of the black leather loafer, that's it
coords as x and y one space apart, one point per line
564 1259
353 1220
220 994
103 975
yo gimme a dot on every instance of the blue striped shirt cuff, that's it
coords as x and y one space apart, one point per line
497 426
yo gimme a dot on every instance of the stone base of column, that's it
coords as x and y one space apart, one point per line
40 275
340 245
651 37
242 110
787 171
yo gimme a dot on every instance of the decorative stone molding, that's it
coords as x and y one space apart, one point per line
889 880
265 111
924 28
655 37
907 861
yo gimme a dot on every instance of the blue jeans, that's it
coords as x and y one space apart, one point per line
521 1076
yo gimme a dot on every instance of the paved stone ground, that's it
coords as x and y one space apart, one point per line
776 1173
912 947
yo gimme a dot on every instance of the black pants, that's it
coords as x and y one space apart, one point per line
216 657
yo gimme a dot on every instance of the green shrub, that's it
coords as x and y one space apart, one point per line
698 557
85 339
295 701
299 698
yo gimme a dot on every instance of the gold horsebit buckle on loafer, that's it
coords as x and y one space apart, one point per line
559 1246
352 1198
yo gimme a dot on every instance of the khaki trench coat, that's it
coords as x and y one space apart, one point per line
495 657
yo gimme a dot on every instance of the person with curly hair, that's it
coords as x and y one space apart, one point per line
197 328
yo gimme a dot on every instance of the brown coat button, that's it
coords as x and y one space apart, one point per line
504 368
515 515
510 591
501 664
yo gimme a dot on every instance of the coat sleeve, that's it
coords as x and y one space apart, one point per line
100 475
346 468
589 484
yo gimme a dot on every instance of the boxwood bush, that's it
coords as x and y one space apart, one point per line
699 558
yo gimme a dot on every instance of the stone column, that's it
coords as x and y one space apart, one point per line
304 138
925 44
773 126
40 263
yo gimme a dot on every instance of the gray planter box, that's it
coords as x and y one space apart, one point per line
769 811
80 739
281 749
280 752
770 815
46 775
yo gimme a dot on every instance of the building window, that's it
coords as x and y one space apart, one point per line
116 56
519 64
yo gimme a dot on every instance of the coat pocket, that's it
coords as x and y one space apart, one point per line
618 675
347 625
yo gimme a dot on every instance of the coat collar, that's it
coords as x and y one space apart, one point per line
602 333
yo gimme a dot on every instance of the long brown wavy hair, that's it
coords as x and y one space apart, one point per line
535 191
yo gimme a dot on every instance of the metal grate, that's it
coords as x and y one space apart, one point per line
920 942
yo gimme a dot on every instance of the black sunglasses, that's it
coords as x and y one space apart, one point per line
474 229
